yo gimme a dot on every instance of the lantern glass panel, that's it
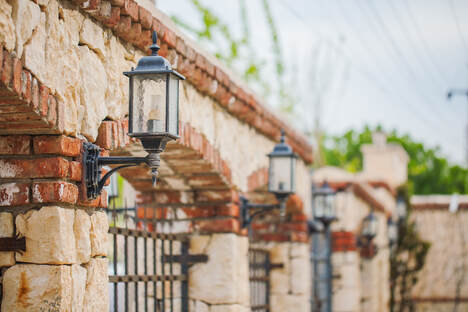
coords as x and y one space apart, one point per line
330 206
280 175
149 103
370 226
319 205
401 208
173 102
392 231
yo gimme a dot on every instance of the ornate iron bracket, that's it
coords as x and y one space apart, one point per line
93 163
13 244
246 206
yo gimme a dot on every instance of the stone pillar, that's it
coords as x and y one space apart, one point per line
64 266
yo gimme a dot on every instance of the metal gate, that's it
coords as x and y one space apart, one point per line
148 267
259 276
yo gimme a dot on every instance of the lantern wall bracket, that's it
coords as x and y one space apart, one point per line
260 209
93 163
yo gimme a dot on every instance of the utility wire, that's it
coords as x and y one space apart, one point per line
398 52
423 120
426 47
457 23
415 48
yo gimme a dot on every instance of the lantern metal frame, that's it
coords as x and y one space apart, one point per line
364 240
324 190
153 143
282 149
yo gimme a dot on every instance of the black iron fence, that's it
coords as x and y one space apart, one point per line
259 276
148 267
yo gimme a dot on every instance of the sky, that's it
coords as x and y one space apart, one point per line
364 62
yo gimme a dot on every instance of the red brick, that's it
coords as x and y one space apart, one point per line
15 145
2 52
130 8
35 95
146 19
43 99
159 28
297 227
91 6
217 196
52 111
75 171
54 191
119 3
60 145
230 210
300 237
229 225
26 86
14 194
60 115
17 70
199 212
52 167
7 72
275 237
145 39
124 25
103 202
114 17
170 38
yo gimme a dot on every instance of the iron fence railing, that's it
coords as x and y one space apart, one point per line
148 270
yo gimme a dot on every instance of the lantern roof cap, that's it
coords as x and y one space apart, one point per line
154 63
282 148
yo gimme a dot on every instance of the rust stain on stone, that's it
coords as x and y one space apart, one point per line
23 290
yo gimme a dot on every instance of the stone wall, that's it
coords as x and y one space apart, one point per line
443 277
61 83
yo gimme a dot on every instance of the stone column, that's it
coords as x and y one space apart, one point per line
64 266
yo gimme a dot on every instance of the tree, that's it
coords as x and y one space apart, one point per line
428 171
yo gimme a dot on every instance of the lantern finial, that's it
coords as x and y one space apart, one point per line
282 136
154 47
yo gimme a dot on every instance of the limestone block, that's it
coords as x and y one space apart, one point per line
279 253
35 50
117 83
93 84
279 281
300 276
7 27
229 308
98 234
6 230
199 243
92 35
97 293
49 236
63 74
82 230
198 306
31 287
220 280
26 16
289 303
299 250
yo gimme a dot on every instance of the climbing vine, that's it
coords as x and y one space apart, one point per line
406 261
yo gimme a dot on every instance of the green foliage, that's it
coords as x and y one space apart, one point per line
240 53
406 261
428 171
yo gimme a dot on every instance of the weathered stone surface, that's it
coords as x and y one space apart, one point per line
289 303
35 50
221 280
94 81
56 245
26 16
229 308
92 35
97 293
32 287
300 276
199 306
6 230
82 230
99 234
7 28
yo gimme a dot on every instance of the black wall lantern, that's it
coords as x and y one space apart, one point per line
401 208
323 204
392 232
153 118
369 229
281 182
